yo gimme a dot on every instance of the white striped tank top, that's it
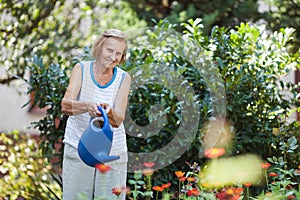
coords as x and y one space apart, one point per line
91 91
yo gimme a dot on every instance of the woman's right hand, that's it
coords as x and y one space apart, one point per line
92 109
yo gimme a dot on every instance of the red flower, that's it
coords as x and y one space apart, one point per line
158 188
273 174
265 165
193 192
102 168
148 164
167 185
288 187
290 197
214 152
116 191
182 179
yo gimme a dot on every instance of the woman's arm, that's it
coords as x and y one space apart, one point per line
117 115
70 105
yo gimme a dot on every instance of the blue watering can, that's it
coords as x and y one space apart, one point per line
95 143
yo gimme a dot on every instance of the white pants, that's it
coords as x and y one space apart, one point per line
79 178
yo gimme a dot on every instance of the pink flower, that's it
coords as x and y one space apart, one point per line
148 164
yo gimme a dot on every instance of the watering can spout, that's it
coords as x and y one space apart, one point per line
95 143
103 158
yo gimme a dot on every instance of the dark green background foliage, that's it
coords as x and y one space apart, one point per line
227 13
52 27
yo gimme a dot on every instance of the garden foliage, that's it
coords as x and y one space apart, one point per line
235 75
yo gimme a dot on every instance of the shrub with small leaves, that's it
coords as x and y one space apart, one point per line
24 173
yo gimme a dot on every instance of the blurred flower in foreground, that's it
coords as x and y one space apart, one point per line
232 170
218 132
102 168
214 152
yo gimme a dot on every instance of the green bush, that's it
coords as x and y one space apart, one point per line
24 172
245 65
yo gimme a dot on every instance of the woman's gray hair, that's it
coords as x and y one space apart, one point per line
97 46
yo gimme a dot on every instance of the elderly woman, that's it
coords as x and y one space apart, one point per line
96 83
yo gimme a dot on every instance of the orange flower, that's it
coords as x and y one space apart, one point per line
158 188
247 184
193 192
148 164
190 179
265 165
102 168
214 152
116 191
273 174
179 174
167 185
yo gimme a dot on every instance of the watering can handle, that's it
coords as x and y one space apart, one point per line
104 115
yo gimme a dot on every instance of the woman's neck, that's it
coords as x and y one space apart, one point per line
101 69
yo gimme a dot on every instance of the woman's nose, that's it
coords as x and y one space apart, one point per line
114 56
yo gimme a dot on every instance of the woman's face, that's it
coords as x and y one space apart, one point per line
112 52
